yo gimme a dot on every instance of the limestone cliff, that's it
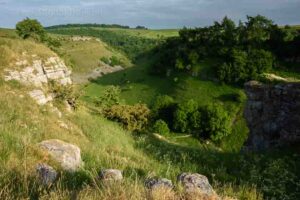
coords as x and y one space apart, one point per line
273 114
38 73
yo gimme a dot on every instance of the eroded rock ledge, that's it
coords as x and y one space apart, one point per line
273 114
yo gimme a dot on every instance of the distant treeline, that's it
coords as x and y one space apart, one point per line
93 25
240 52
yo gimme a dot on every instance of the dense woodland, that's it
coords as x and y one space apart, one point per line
239 52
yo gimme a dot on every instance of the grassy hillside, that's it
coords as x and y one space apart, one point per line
105 144
130 41
84 56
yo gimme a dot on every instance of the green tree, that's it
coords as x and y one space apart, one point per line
259 61
183 114
215 123
161 127
30 28
258 30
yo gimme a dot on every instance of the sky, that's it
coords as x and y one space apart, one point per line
150 13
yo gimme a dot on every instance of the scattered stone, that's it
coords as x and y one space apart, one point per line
154 183
67 155
46 174
110 175
196 183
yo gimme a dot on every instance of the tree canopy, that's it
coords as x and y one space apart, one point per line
30 28
240 51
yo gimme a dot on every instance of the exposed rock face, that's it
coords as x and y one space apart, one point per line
39 74
196 183
110 175
46 174
81 38
154 183
67 155
273 114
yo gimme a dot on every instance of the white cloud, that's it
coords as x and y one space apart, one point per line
151 13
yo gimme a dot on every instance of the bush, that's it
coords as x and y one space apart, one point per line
30 28
52 42
110 97
113 61
161 127
133 118
184 116
215 123
105 60
65 93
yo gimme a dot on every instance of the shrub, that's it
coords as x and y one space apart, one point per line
161 127
30 28
183 116
215 123
105 60
110 97
133 118
113 61
65 93
52 42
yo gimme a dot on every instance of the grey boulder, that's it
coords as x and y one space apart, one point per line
46 174
196 183
110 175
67 155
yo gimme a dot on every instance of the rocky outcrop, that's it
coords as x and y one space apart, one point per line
39 74
80 38
67 155
273 114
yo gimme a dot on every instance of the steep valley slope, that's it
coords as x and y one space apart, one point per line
26 122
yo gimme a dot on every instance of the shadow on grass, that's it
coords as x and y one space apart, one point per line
263 169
